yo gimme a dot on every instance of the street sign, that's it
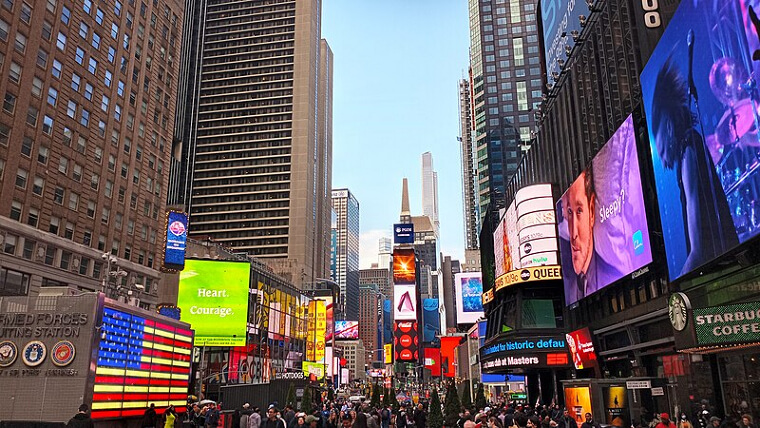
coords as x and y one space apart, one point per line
658 392
638 384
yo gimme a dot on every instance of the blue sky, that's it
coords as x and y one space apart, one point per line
397 64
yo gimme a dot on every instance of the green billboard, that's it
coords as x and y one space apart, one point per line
738 323
213 298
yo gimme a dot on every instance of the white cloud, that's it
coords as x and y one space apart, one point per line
368 246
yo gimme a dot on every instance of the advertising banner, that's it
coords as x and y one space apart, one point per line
602 219
581 348
559 19
431 320
468 289
403 233
433 361
448 355
330 320
388 353
406 341
616 406
738 323
536 226
387 321
321 323
705 164
176 240
311 331
527 352
213 298
404 267
578 402
404 302
536 273
346 329
314 371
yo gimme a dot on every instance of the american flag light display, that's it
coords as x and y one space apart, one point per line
140 361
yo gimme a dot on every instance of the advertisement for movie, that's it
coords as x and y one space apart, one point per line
404 268
468 288
581 348
701 99
602 219
213 298
578 402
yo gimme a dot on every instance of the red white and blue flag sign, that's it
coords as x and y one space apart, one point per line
140 361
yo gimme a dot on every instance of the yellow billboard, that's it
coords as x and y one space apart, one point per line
321 327
388 351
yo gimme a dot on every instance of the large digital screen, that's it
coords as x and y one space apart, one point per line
433 361
404 302
431 320
346 329
581 348
406 341
469 297
602 219
176 240
387 321
559 18
140 361
213 298
403 233
404 268
448 355
705 159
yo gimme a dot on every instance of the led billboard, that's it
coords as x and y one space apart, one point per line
579 402
559 18
404 268
469 297
403 233
406 341
602 219
346 329
176 240
448 355
213 298
404 302
433 361
431 320
581 348
705 159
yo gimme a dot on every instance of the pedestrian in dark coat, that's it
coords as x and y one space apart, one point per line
81 419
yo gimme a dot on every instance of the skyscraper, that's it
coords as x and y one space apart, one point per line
506 83
346 272
384 252
262 137
470 207
430 189
370 319
85 130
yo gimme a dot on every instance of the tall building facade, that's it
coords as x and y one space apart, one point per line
354 353
346 272
506 83
378 276
261 136
370 320
85 134
470 207
430 189
384 252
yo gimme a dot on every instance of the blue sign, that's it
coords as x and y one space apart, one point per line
176 240
560 18
534 344
403 233
431 320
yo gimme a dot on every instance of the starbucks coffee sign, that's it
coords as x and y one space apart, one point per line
738 323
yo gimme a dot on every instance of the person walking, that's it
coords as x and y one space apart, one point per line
170 416
272 420
665 422
81 419
254 420
591 423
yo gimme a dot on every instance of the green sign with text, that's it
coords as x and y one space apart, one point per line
213 296
738 323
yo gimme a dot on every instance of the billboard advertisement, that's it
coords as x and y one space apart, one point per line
536 242
602 219
616 406
578 402
176 240
581 348
433 361
213 299
330 319
403 233
406 341
346 329
388 353
404 302
448 355
431 320
559 19
705 162
387 321
469 297
404 268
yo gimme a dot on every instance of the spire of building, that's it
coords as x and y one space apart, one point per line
405 200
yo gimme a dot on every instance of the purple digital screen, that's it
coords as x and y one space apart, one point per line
602 220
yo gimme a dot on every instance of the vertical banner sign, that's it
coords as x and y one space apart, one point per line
321 323
176 240
311 330
388 351
578 402
616 406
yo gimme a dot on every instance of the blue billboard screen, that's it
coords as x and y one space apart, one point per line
387 322
559 19
403 233
176 239
431 320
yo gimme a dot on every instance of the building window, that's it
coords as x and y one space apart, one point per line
42 155
26 146
50 255
58 195
16 210
10 244
65 260
39 186
9 104
21 176
33 217
13 283
54 224
47 125
14 74
68 232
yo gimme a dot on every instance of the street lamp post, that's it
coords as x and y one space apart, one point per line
113 270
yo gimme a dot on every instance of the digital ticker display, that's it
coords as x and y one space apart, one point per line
140 361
